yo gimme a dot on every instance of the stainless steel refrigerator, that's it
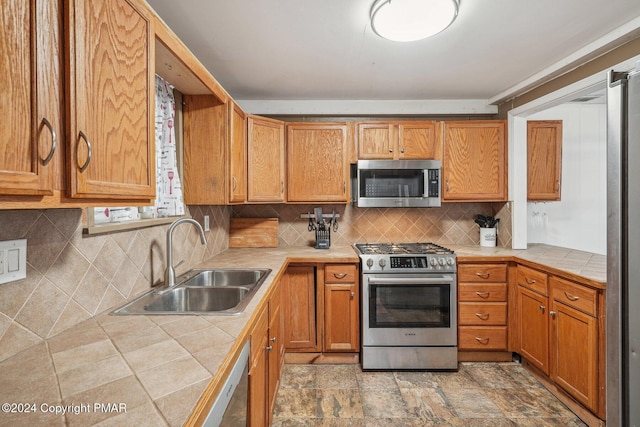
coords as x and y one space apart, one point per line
623 249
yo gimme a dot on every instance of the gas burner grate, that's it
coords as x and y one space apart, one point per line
402 248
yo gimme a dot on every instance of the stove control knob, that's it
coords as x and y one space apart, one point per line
450 261
369 263
434 262
382 263
442 261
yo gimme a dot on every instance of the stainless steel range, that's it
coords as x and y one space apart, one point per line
408 306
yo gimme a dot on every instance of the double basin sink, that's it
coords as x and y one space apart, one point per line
201 291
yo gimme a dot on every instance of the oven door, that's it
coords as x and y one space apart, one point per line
409 310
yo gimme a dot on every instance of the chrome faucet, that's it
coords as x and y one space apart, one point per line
170 272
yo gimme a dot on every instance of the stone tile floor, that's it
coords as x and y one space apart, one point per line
478 395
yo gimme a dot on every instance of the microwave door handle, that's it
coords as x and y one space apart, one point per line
410 280
425 184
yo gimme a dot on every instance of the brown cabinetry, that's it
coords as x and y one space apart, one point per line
237 154
559 325
317 162
544 159
474 165
398 140
30 103
341 308
321 311
266 358
482 306
109 93
265 155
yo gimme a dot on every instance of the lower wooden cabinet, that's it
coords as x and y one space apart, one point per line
266 359
322 308
482 306
560 328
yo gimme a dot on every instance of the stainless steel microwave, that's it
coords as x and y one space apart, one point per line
398 183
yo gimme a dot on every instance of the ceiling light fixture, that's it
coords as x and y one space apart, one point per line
410 20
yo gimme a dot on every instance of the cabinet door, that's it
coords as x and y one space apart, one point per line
265 170
317 167
30 97
418 141
205 139
237 154
574 353
533 324
275 349
341 317
258 372
474 166
544 159
375 141
299 309
110 90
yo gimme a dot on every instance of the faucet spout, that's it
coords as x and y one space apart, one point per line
170 272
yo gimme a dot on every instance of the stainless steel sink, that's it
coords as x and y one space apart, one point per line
223 277
201 291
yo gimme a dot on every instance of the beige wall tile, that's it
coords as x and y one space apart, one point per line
13 295
43 308
71 316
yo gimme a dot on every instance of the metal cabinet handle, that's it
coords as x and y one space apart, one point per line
571 297
447 185
530 281
86 140
339 275
235 183
391 150
344 187
558 185
543 308
552 313
402 150
483 294
273 339
483 275
282 186
54 141
353 294
482 340
269 347
483 316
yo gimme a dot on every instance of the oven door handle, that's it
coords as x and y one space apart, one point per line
410 280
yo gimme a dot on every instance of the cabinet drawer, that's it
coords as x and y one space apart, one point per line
482 338
488 313
482 272
482 292
533 279
340 273
574 295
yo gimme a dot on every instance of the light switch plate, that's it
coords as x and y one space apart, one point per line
13 260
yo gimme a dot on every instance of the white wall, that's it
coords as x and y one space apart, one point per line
579 220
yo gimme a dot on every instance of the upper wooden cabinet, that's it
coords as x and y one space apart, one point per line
237 154
398 140
205 142
110 90
544 159
30 98
265 154
474 165
317 162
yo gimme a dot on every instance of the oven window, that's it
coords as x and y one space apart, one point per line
415 306
392 183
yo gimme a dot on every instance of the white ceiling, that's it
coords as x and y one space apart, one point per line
326 50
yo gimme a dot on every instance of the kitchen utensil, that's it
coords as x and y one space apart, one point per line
170 176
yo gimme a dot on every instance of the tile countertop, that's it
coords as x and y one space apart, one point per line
152 370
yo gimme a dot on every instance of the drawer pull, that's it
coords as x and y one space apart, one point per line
543 308
482 340
571 297
552 313
483 275
530 281
339 275
483 294
483 316
353 295
269 348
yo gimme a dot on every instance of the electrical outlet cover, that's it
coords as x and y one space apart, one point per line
13 260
